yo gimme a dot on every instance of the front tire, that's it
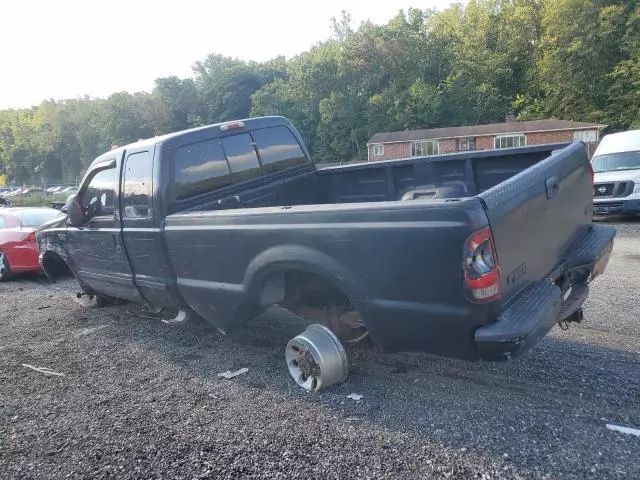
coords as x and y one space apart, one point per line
5 269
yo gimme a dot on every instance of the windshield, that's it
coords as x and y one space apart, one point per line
616 161
37 218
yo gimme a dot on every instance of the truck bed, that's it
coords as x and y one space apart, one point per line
454 175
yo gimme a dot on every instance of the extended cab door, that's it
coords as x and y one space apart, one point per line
96 247
141 226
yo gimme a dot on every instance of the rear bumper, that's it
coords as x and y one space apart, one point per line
542 304
616 207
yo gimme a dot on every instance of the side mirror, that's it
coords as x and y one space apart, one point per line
73 209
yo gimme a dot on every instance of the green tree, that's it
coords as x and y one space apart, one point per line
180 97
464 65
578 47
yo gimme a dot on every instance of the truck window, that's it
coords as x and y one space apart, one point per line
137 188
278 149
200 167
242 157
101 188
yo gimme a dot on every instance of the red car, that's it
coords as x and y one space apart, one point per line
18 249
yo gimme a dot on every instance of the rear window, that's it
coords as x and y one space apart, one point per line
37 218
242 157
199 168
211 164
278 149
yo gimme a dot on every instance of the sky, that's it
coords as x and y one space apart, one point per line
70 48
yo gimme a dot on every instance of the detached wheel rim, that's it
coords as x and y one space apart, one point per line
316 359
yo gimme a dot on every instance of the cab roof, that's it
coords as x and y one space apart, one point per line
216 130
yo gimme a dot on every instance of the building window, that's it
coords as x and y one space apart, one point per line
424 148
378 150
510 141
466 144
586 136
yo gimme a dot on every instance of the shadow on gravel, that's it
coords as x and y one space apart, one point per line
558 396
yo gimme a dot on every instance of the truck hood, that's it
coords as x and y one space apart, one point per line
618 176
57 222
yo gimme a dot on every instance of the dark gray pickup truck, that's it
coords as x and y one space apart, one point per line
472 255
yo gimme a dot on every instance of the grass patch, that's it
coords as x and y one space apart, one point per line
36 200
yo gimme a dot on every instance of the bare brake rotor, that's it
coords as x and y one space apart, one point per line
347 323
343 320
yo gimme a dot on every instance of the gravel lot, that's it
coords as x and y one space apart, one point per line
140 399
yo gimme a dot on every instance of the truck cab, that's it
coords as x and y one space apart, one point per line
616 165
112 238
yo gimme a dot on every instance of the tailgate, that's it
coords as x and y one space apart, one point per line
536 214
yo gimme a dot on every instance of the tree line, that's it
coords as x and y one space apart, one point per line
468 64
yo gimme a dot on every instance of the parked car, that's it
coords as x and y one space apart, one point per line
473 255
30 191
18 249
616 163
14 192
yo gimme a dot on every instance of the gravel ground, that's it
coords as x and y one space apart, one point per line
140 399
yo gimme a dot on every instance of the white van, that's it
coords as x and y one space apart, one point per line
616 163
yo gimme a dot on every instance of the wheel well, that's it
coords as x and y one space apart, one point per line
314 297
55 267
300 286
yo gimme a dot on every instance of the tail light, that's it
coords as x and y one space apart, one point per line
481 270
31 237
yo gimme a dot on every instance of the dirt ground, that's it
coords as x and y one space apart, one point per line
139 399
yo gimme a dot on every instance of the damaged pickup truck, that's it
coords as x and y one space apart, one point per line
473 255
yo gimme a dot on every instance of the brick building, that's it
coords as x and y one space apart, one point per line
511 133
